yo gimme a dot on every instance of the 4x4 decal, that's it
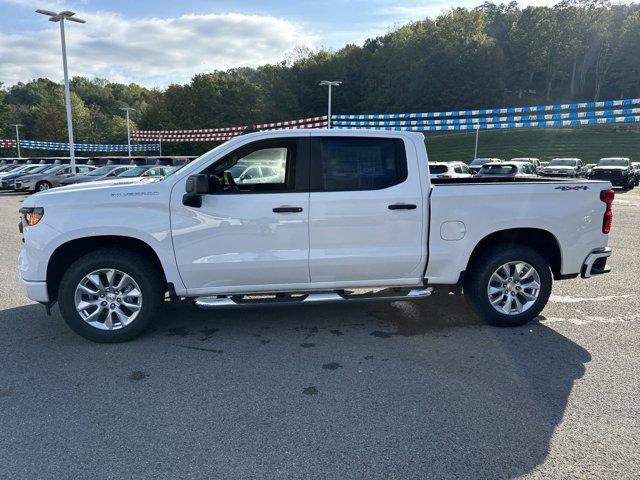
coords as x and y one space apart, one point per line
566 188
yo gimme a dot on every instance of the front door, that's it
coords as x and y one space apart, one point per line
253 235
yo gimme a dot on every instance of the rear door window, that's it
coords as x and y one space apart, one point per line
347 164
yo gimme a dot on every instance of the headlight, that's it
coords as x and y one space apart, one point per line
32 215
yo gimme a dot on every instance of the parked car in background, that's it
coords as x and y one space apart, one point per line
544 164
506 169
16 169
49 178
533 161
144 171
616 170
449 170
8 180
247 174
563 167
102 173
476 163
8 166
636 171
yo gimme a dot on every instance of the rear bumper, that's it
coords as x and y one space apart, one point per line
596 263
36 291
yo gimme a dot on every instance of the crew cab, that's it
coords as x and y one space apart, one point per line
617 170
356 215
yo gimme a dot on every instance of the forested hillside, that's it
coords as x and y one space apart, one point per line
494 55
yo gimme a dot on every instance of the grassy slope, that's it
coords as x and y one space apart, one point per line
589 143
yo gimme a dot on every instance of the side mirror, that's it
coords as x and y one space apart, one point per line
197 184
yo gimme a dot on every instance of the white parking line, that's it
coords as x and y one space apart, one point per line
590 319
568 299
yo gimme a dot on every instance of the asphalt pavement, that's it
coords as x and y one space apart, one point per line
372 390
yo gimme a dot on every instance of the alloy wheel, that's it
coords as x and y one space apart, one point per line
108 299
514 288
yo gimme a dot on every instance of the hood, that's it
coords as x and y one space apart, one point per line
79 179
611 167
110 189
13 176
559 167
100 184
32 176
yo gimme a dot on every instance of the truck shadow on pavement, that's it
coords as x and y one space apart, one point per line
370 390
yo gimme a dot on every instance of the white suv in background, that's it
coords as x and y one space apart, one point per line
449 170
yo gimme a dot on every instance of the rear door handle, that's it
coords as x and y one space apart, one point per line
403 206
287 210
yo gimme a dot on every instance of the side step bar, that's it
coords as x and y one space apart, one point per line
261 300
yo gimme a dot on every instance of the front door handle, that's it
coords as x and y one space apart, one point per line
403 206
287 210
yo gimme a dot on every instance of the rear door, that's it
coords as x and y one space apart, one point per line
366 212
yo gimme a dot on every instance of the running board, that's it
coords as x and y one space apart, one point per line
261 300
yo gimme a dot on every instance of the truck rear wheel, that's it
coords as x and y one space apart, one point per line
110 295
508 285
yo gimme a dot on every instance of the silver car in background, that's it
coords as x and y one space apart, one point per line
49 178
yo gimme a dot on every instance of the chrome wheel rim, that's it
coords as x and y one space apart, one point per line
514 288
43 187
108 299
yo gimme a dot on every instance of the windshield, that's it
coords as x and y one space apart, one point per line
133 172
101 171
498 170
613 162
237 170
481 161
171 170
51 168
40 169
436 169
560 162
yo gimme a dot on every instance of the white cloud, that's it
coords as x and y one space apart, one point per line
152 52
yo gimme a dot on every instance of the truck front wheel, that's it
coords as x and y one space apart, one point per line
508 285
110 295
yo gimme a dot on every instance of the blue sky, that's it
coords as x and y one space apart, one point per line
159 42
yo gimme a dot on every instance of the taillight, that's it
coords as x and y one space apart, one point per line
607 197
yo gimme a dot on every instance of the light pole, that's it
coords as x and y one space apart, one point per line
475 154
61 17
18 125
128 109
330 83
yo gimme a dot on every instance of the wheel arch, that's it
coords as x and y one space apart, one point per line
542 241
67 253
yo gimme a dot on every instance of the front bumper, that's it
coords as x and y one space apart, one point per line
596 263
559 174
21 187
36 291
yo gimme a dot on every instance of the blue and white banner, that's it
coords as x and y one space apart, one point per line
508 119
491 126
493 111
87 147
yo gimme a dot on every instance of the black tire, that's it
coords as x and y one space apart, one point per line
141 269
42 186
480 271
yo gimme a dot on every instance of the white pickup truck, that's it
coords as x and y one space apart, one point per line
347 211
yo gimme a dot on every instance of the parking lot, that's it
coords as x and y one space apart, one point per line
372 390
